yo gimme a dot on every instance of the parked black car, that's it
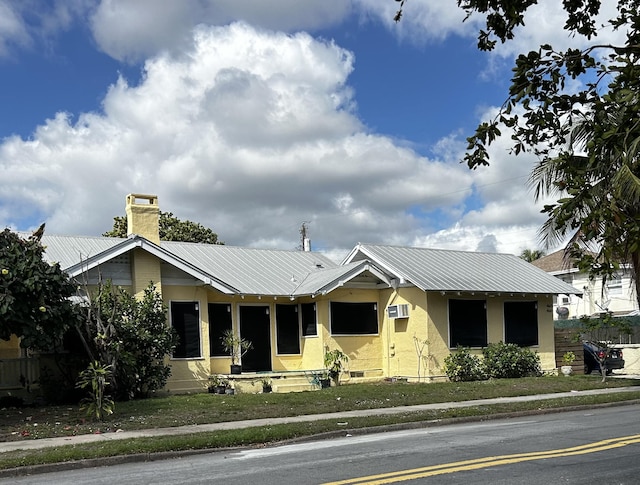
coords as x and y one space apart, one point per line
613 359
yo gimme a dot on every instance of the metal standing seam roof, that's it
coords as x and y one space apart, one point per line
329 279
294 273
237 270
71 250
449 270
253 271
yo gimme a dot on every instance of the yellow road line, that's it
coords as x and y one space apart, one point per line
488 461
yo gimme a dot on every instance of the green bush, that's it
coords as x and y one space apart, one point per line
463 366
509 361
131 337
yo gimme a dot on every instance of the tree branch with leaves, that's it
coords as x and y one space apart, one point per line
586 140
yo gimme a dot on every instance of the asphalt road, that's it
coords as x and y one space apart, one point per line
586 447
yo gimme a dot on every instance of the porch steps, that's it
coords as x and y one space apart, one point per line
296 381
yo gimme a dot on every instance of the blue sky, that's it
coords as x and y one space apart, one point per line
252 120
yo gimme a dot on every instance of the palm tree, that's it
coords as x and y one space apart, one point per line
531 255
598 185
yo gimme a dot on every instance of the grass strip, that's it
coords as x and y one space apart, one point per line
281 432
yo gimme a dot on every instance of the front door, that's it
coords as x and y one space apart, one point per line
255 325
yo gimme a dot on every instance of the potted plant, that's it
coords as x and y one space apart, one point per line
236 346
567 360
324 380
334 360
266 385
217 385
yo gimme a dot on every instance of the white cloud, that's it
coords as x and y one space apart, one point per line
252 132
429 22
132 31
13 30
249 132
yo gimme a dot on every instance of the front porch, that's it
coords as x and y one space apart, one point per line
294 381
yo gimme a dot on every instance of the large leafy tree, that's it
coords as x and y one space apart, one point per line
34 295
586 139
171 229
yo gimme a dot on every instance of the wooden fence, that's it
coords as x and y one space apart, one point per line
565 342
19 373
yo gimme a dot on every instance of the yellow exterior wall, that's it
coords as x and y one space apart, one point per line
392 352
145 268
546 334
438 328
365 352
311 348
406 336
10 349
190 374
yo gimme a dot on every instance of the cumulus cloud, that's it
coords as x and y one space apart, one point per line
13 29
131 31
253 130
248 131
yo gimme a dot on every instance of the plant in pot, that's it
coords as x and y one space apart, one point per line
266 385
217 384
236 346
323 380
334 360
567 359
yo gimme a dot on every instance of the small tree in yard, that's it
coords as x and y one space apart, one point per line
334 361
130 337
96 378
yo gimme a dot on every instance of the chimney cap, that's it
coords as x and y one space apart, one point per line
132 199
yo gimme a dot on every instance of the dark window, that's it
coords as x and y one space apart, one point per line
354 318
467 323
309 325
219 322
521 323
185 319
287 329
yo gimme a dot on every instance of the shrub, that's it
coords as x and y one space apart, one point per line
463 366
508 361
131 337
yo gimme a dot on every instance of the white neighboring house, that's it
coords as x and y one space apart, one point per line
617 296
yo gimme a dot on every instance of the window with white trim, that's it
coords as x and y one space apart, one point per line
354 318
219 322
287 329
308 317
521 323
185 319
467 323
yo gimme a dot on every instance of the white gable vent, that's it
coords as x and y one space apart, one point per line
398 311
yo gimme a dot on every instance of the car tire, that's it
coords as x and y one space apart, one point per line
587 369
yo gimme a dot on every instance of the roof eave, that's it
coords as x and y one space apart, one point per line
164 255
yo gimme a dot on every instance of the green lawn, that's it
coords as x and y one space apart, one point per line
186 409
33 423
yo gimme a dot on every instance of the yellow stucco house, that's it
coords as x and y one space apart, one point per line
394 311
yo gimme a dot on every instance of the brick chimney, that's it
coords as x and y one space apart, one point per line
143 216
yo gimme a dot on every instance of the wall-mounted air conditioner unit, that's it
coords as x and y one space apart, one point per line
398 311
